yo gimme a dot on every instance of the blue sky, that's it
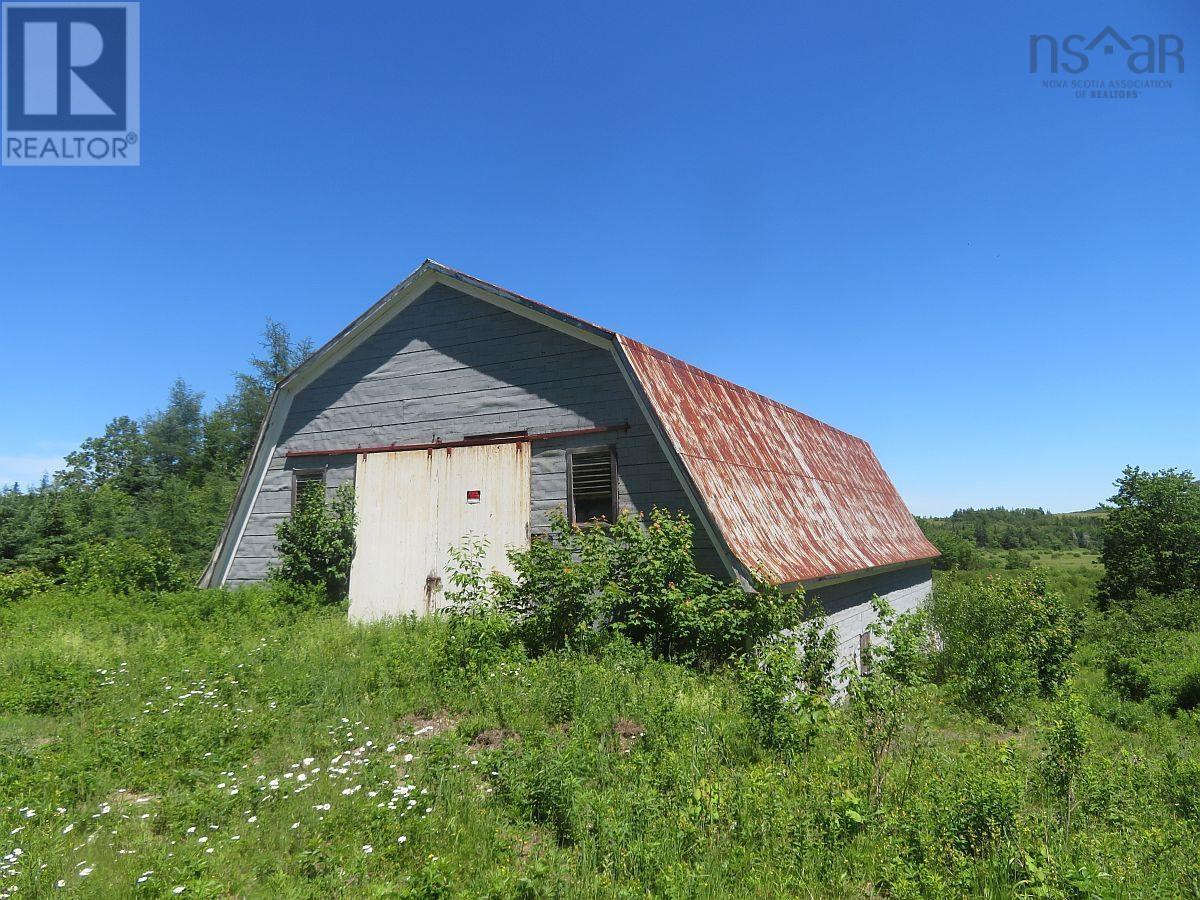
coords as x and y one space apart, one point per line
873 213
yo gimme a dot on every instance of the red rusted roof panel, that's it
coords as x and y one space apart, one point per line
794 498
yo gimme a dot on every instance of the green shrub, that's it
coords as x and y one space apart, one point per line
907 655
1015 559
878 703
1004 641
637 579
816 650
786 682
655 596
1128 677
473 643
125 566
1145 613
480 630
470 591
316 547
1066 745
555 598
22 583
1186 694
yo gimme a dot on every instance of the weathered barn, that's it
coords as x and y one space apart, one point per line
457 407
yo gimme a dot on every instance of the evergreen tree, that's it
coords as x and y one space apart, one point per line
175 435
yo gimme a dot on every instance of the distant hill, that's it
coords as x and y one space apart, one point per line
999 528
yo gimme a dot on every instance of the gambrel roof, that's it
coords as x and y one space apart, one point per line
782 495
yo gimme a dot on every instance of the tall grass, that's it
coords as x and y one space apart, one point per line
223 744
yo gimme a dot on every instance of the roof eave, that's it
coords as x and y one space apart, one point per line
810 584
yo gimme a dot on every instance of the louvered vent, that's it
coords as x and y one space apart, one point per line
305 481
593 473
591 486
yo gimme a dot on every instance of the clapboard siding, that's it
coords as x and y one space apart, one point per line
578 393
594 372
848 605
450 366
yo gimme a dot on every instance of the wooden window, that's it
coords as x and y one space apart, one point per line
304 480
592 485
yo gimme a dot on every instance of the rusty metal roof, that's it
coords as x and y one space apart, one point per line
796 500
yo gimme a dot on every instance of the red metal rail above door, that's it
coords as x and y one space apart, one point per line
479 440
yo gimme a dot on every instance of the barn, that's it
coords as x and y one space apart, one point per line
456 406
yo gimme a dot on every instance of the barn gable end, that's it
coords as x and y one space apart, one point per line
445 367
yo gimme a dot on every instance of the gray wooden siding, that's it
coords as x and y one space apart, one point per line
848 605
450 366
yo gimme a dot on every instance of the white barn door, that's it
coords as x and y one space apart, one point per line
414 506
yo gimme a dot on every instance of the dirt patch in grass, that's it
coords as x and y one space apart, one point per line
529 845
427 726
628 731
493 739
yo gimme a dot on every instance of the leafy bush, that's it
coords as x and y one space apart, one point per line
125 566
1187 689
555 599
480 632
1143 613
786 682
471 591
816 650
877 701
908 649
636 578
1128 677
656 597
1004 641
316 547
22 583
1015 559
1066 746
1152 534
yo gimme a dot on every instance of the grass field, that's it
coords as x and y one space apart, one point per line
218 744
1052 560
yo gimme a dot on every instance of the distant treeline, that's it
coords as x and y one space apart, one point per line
1020 529
165 480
